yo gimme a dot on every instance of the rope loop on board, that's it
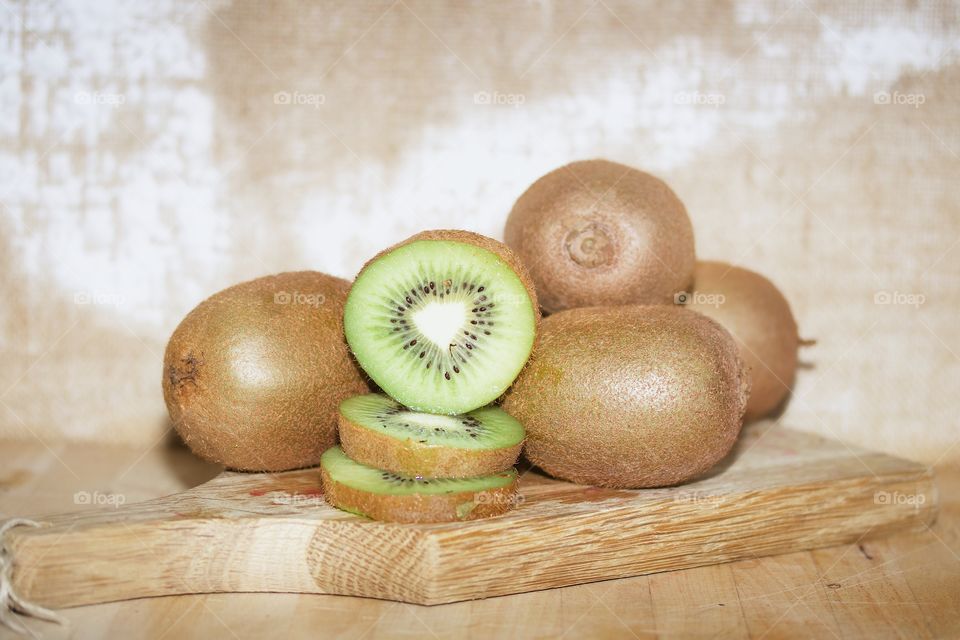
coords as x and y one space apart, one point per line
12 605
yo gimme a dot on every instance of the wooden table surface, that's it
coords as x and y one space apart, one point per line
905 586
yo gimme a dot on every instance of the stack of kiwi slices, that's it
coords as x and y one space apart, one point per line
442 323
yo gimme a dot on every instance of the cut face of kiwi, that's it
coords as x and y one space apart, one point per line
441 323
378 431
384 495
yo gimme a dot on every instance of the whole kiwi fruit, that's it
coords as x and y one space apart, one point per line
598 233
630 396
253 375
752 309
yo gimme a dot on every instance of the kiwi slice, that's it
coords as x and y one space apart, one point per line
392 497
378 431
442 322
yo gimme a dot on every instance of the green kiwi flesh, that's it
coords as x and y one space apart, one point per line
443 322
378 431
630 397
384 495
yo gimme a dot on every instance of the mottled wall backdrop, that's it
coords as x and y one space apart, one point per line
153 153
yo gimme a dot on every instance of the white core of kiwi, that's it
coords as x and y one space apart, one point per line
432 421
440 322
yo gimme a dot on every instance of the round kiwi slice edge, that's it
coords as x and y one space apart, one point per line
378 431
382 495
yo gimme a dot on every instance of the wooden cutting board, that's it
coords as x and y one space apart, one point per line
780 491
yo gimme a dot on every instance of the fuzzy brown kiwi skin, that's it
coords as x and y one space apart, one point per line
760 319
252 382
630 397
455 507
596 233
413 458
496 247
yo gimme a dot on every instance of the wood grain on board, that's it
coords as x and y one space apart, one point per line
781 491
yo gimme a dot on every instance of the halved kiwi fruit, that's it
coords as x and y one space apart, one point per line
443 322
378 431
384 495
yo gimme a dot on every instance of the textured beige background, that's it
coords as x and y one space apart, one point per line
153 153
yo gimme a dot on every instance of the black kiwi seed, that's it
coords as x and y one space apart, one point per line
394 417
461 348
